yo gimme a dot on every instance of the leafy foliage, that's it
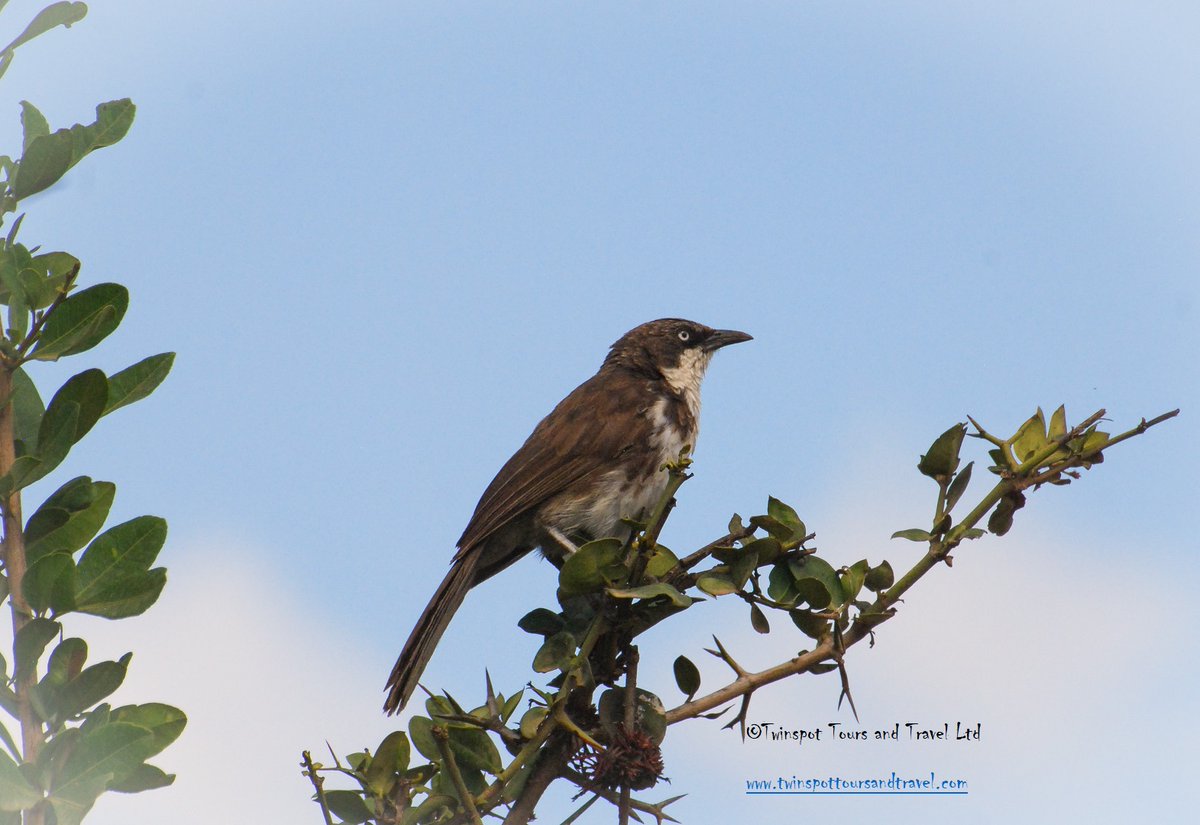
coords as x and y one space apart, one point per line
594 725
74 745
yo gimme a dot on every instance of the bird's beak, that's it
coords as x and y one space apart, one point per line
725 337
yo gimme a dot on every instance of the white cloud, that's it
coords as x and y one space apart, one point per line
260 677
1040 641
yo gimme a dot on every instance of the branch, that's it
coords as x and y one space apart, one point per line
656 811
752 681
631 655
442 738
549 766
310 770
13 548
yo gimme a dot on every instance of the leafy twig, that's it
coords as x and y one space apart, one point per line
318 783
442 738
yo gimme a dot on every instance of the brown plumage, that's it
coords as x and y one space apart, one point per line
595 459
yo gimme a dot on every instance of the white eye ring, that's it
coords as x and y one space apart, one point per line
684 335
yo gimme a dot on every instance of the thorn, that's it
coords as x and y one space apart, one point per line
723 654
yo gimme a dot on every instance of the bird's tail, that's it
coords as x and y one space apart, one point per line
428 632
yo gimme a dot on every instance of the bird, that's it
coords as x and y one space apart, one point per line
596 461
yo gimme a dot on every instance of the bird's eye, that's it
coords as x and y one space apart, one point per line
684 335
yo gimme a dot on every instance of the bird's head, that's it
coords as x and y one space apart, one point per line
675 349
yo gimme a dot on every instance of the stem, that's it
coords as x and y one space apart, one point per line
442 738
547 769
752 681
631 653
691 560
677 475
32 735
318 783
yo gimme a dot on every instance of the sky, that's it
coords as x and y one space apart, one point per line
386 238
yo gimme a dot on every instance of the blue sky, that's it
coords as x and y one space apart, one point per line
386 238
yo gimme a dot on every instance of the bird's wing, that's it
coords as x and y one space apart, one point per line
582 436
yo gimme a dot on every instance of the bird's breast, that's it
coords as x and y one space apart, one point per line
636 481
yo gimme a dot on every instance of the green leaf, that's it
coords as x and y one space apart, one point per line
1030 438
55 14
812 626
420 732
715 584
509 706
871 619
784 514
942 458
33 124
69 518
648 712
44 161
687 676
758 619
1001 518
879 577
531 720
780 585
57 434
66 661
28 410
18 303
912 534
55 270
541 622
1000 460
791 533
54 442
49 583
144 777
164 722
661 562
817 582
114 579
110 752
91 686
349 807
48 157
473 748
766 549
136 382
958 486
390 758
1058 423
591 567
1093 440
741 568
555 653
80 322
852 579
31 642
651 591
89 390
16 794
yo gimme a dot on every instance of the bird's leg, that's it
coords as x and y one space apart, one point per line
566 547
557 547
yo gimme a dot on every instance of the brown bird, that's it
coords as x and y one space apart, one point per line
595 459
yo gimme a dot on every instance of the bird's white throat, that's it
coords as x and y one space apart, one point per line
686 376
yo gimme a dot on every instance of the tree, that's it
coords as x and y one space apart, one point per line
73 746
593 725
